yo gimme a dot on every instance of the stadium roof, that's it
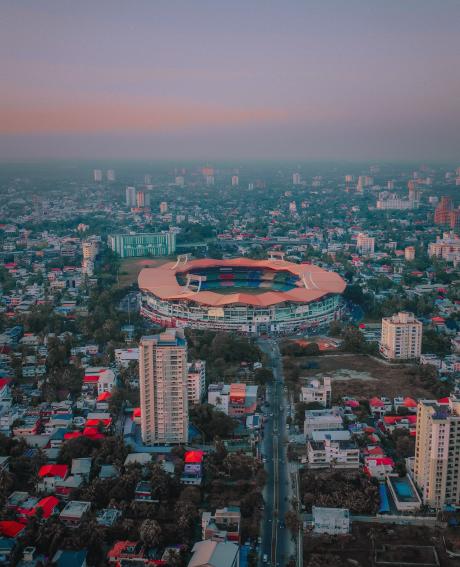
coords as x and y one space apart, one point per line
314 283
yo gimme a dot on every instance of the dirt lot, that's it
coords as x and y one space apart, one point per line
363 376
130 268
357 548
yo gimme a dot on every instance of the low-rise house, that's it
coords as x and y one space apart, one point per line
144 492
82 467
74 512
407 403
49 475
193 468
332 521
128 551
380 406
223 525
391 422
236 400
99 379
378 467
214 554
108 517
123 356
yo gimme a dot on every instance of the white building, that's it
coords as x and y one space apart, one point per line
130 197
332 454
196 381
365 244
163 388
296 179
401 337
333 521
322 420
317 390
97 175
409 253
235 181
111 175
123 356
395 204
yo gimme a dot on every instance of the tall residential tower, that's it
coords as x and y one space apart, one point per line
163 388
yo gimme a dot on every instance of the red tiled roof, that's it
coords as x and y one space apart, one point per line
376 403
93 433
409 403
72 435
97 421
53 470
91 378
392 419
104 397
194 456
10 528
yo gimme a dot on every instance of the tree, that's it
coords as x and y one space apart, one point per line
150 533
292 521
211 422
263 376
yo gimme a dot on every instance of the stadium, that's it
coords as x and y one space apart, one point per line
242 295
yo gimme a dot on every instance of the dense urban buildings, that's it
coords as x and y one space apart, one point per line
163 388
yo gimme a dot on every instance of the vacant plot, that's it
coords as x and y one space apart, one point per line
130 268
363 376
393 546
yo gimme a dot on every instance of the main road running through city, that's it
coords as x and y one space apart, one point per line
275 546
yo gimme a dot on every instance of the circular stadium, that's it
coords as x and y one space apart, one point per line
241 295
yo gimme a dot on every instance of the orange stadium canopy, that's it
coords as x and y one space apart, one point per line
313 283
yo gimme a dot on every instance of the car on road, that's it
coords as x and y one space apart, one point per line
265 558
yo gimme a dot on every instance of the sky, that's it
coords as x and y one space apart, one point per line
230 79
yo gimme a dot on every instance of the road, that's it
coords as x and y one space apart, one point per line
275 537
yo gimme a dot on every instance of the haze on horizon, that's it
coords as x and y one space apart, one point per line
323 79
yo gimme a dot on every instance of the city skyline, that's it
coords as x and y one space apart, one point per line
322 80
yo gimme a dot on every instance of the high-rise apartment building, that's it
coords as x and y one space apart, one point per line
163 388
163 207
409 253
97 175
111 175
365 244
130 196
140 199
437 452
443 210
235 181
196 381
401 337
296 179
